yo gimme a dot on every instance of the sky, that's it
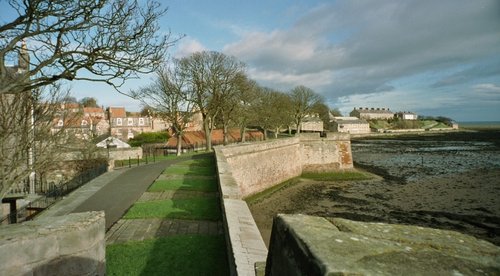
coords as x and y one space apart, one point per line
435 58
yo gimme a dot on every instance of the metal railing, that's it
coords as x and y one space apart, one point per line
53 194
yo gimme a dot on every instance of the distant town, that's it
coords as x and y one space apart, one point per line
90 122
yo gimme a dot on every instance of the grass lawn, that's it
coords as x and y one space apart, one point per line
189 170
193 208
337 176
175 255
179 254
186 183
151 159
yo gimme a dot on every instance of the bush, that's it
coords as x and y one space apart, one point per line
149 137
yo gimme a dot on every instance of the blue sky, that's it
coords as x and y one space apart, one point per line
430 57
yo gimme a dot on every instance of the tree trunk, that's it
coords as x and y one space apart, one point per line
265 134
224 130
208 135
179 144
242 134
298 128
276 133
289 130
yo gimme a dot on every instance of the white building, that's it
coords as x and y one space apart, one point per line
351 125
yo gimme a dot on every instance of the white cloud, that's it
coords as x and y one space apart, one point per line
487 88
187 46
372 43
286 81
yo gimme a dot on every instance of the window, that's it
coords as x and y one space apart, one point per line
141 121
130 121
84 123
60 123
118 121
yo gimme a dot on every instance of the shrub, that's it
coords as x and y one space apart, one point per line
149 137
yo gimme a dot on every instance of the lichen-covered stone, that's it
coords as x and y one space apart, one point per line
306 245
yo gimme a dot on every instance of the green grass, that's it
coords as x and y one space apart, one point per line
180 169
208 161
186 183
150 159
337 176
379 124
179 254
441 125
255 198
203 208
175 255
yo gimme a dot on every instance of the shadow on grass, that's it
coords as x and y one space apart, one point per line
192 253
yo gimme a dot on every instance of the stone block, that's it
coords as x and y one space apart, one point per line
305 245
68 245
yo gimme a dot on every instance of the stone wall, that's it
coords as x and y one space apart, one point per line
330 153
245 169
243 239
123 154
259 166
68 245
307 245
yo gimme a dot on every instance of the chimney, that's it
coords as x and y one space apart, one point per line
24 57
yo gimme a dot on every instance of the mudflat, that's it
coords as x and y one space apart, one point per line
448 181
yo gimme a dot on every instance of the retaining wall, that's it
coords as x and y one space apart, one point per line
67 245
246 169
259 166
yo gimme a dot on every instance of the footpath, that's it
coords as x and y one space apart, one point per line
113 192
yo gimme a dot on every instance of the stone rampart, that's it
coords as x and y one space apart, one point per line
246 169
68 245
330 153
259 166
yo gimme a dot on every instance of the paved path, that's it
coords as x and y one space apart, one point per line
142 229
116 197
114 192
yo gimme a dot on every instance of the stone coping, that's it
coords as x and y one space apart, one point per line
245 244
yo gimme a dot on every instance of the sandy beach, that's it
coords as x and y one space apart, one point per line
447 181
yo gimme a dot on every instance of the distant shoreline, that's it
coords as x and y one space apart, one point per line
480 125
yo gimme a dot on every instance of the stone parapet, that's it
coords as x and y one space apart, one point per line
68 245
306 245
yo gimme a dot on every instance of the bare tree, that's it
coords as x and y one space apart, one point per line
105 40
273 110
211 77
169 97
248 98
303 101
26 127
232 105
